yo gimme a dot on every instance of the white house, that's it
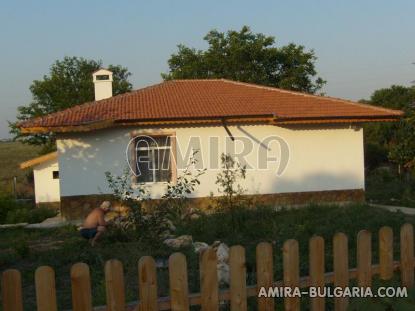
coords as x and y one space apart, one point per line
46 178
298 147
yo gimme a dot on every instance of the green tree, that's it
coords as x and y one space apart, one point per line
248 57
69 83
394 141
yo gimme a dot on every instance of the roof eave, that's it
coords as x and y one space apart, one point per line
39 160
211 120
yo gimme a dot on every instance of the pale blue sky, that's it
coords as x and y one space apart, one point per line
361 45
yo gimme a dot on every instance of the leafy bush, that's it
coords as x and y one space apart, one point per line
231 191
8 204
141 222
175 200
12 211
152 220
17 216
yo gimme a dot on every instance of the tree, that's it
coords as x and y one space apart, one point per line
69 83
394 140
248 57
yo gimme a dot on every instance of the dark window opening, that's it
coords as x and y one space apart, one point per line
103 77
153 159
55 174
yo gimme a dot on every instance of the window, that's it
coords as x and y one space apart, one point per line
153 158
103 77
55 174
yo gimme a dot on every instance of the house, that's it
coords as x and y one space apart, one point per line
46 179
298 147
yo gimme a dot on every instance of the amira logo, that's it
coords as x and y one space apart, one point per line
149 154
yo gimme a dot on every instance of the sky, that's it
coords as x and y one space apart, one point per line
361 45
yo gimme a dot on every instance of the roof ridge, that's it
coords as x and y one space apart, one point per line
393 111
196 80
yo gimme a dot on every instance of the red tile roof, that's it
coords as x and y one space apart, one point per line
196 100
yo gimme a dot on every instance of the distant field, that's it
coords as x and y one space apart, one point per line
11 155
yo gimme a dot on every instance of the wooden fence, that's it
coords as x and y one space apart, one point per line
210 296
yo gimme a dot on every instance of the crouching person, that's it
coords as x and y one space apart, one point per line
94 224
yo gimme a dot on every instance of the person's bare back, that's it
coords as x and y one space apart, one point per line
94 219
94 224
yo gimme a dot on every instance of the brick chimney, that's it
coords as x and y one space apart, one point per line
102 83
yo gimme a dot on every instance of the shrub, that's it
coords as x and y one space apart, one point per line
146 220
17 215
141 222
175 200
229 187
12 211
22 248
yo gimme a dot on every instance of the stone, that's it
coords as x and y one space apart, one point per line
200 247
179 242
222 253
170 225
194 216
215 244
223 274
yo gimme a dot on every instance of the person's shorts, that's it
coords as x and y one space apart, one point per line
89 233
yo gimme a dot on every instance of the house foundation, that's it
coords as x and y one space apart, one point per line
77 207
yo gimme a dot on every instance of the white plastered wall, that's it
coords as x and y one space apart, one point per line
47 189
320 158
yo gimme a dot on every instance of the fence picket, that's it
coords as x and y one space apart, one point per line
45 289
238 278
179 289
364 258
147 284
291 272
265 274
407 255
386 253
114 285
11 290
81 287
209 288
340 268
317 270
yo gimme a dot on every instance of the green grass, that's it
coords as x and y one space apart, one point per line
11 155
62 247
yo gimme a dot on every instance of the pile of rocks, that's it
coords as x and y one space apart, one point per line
222 253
